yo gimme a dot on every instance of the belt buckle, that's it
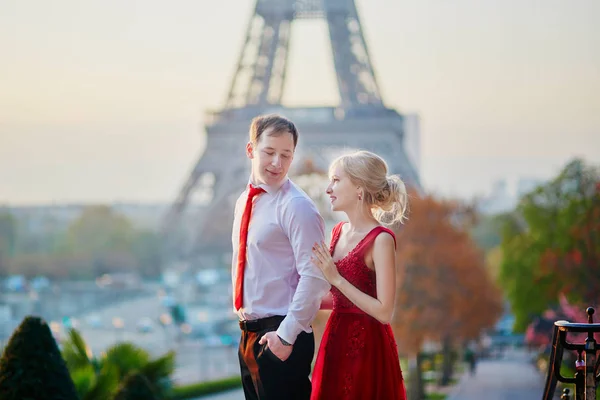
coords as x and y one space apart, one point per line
243 326
246 325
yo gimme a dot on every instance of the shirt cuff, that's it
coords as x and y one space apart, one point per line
289 329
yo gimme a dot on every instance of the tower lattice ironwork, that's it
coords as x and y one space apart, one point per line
198 225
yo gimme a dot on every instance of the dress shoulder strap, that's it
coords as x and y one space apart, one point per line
337 229
370 238
335 235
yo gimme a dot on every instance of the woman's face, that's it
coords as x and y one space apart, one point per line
343 194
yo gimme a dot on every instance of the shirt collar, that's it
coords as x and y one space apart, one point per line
270 189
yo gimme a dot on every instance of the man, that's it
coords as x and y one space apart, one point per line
277 291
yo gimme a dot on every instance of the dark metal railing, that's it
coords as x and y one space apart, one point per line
587 365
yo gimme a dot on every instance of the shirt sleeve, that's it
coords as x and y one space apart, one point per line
304 227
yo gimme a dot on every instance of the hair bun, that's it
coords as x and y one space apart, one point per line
386 195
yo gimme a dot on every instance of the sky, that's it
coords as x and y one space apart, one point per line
103 101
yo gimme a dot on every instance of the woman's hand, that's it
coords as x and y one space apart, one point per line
322 259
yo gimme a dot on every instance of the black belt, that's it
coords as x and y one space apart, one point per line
257 325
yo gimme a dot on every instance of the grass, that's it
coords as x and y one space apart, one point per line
435 396
205 388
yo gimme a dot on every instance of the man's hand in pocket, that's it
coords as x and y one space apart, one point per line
280 350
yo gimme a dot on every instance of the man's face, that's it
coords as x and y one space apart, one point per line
271 157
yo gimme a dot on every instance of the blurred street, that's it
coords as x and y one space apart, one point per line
197 359
511 377
228 395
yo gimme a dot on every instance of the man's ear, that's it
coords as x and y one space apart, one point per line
250 150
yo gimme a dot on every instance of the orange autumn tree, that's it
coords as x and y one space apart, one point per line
444 293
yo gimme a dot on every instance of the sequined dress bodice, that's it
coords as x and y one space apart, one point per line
353 268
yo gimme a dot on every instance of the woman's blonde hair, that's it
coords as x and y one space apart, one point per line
386 195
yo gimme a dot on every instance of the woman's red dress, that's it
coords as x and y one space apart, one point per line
358 356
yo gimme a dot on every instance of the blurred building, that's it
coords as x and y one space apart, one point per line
527 185
501 199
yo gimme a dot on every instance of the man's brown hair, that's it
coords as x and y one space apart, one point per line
276 123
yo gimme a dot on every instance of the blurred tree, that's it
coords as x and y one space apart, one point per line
147 250
551 245
444 292
37 236
493 262
105 237
30 265
102 241
31 366
315 186
539 331
308 167
314 182
55 266
487 232
99 241
8 238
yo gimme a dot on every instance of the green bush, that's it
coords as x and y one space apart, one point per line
136 387
97 378
31 366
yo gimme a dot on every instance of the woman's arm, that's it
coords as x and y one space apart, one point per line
382 307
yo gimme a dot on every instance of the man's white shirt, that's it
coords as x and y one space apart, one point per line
279 278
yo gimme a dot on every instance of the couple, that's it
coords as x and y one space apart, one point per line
283 273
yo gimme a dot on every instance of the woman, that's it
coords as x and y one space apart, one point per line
358 357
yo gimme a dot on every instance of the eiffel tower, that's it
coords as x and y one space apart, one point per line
198 225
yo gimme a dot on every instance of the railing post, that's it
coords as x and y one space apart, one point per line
579 377
590 359
587 365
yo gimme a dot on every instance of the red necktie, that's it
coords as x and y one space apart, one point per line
241 261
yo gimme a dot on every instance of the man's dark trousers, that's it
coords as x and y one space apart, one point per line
266 377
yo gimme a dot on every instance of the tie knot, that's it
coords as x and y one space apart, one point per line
253 191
